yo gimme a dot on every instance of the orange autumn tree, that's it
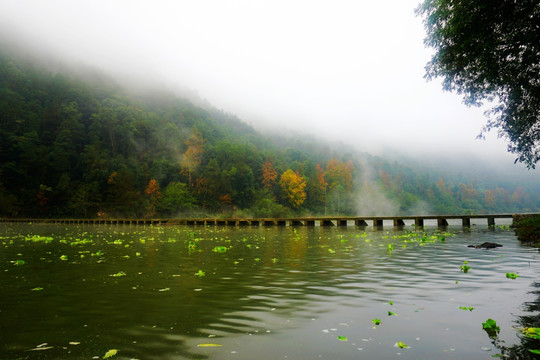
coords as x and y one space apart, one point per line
319 187
339 173
269 175
293 185
154 194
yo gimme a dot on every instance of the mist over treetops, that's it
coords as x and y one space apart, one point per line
81 145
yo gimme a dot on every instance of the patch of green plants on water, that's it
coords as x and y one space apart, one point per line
465 268
220 249
491 327
342 338
470 308
81 242
38 238
110 353
18 262
193 245
531 332
390 313
118 274
200 273
510 275
376 321
401 345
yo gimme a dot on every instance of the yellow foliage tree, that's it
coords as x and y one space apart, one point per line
293 185
192 157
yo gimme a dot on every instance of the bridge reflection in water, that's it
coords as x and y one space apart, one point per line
357 221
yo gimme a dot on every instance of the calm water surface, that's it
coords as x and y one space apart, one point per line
76 292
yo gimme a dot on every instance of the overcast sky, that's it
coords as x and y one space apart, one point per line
350 70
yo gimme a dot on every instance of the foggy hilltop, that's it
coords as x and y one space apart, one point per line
76 142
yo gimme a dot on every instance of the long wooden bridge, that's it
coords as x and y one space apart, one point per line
358 221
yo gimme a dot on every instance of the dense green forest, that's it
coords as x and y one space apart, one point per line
83 146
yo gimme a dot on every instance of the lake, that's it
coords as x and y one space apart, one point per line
179 292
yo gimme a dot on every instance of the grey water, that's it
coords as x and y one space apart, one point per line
178 292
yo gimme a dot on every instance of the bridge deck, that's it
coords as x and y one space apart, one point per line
359 221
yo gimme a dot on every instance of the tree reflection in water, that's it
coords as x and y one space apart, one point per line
523 351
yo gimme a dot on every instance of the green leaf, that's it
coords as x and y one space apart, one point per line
512 275
209 345
402 345
37 289
220 249
376 321
200 273
533 333
118 274
535 351
110 353
490 326
342 338
391 313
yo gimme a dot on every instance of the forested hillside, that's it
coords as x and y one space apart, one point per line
72 146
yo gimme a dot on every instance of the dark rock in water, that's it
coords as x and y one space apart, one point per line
486 245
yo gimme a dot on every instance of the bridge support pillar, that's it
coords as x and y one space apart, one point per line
378 223
419 222
399 223
466 221
360 223
491 221
441 222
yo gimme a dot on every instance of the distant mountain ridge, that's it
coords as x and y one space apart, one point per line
78 144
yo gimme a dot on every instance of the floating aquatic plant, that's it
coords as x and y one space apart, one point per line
530 332
220 249
18 262
391 313
118 274
512 275
209 345
110 353
63 257
465 268
470 308
342 338
37 288
401 345
490 326
376 321
200 273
